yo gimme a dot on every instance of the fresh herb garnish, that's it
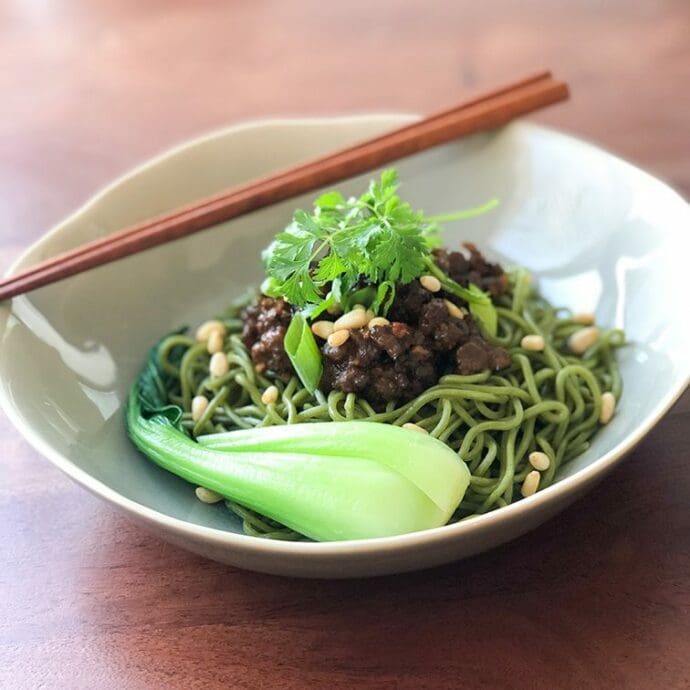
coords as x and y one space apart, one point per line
323 258
375 237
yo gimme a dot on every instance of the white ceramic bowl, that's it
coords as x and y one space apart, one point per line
599 234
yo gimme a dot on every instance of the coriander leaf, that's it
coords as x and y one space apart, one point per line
376 239
329 268
329 200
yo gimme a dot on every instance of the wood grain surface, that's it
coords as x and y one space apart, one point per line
597 598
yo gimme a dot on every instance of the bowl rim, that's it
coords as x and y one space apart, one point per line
551 495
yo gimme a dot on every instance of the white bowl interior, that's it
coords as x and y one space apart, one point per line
598 233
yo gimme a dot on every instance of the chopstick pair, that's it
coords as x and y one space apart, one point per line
484 112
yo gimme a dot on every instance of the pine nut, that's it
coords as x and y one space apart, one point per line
207 496
608 407
199 405
370 315
533 343
206 328
338 338
454 309
219 365
270 395
378 321
357 318
585 318
531 484
540 461
580 341
430 283
414 427
358 307
322 329
215 342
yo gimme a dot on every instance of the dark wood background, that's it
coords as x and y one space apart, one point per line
597 598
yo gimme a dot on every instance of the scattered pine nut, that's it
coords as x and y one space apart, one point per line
204 331
378 321
215 342
219 365
430 283
414 427
199 405
533 343
540 461
585 318
608 407
454 309
322 329
357 318
370 315
580 341
531 484
270 395
338 338
207 496
358 307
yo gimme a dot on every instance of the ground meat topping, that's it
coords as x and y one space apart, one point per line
484 274
400 360
265 324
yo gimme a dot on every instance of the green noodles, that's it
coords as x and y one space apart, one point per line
548 401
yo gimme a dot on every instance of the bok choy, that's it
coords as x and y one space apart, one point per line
329 481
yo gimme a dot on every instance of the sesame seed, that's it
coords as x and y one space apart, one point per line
378 321
219 365
430 283
270 395
540 461
453 309
357 318
338 338
204 331
206 495
533 343
414 427
580 341
322 329
199 405
531 484
608 407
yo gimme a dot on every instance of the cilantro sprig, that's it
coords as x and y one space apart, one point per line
322 258
375 237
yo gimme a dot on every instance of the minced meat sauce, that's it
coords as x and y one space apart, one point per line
398 361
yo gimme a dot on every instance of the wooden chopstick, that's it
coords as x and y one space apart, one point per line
480 113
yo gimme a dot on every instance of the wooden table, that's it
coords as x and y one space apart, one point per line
599 597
